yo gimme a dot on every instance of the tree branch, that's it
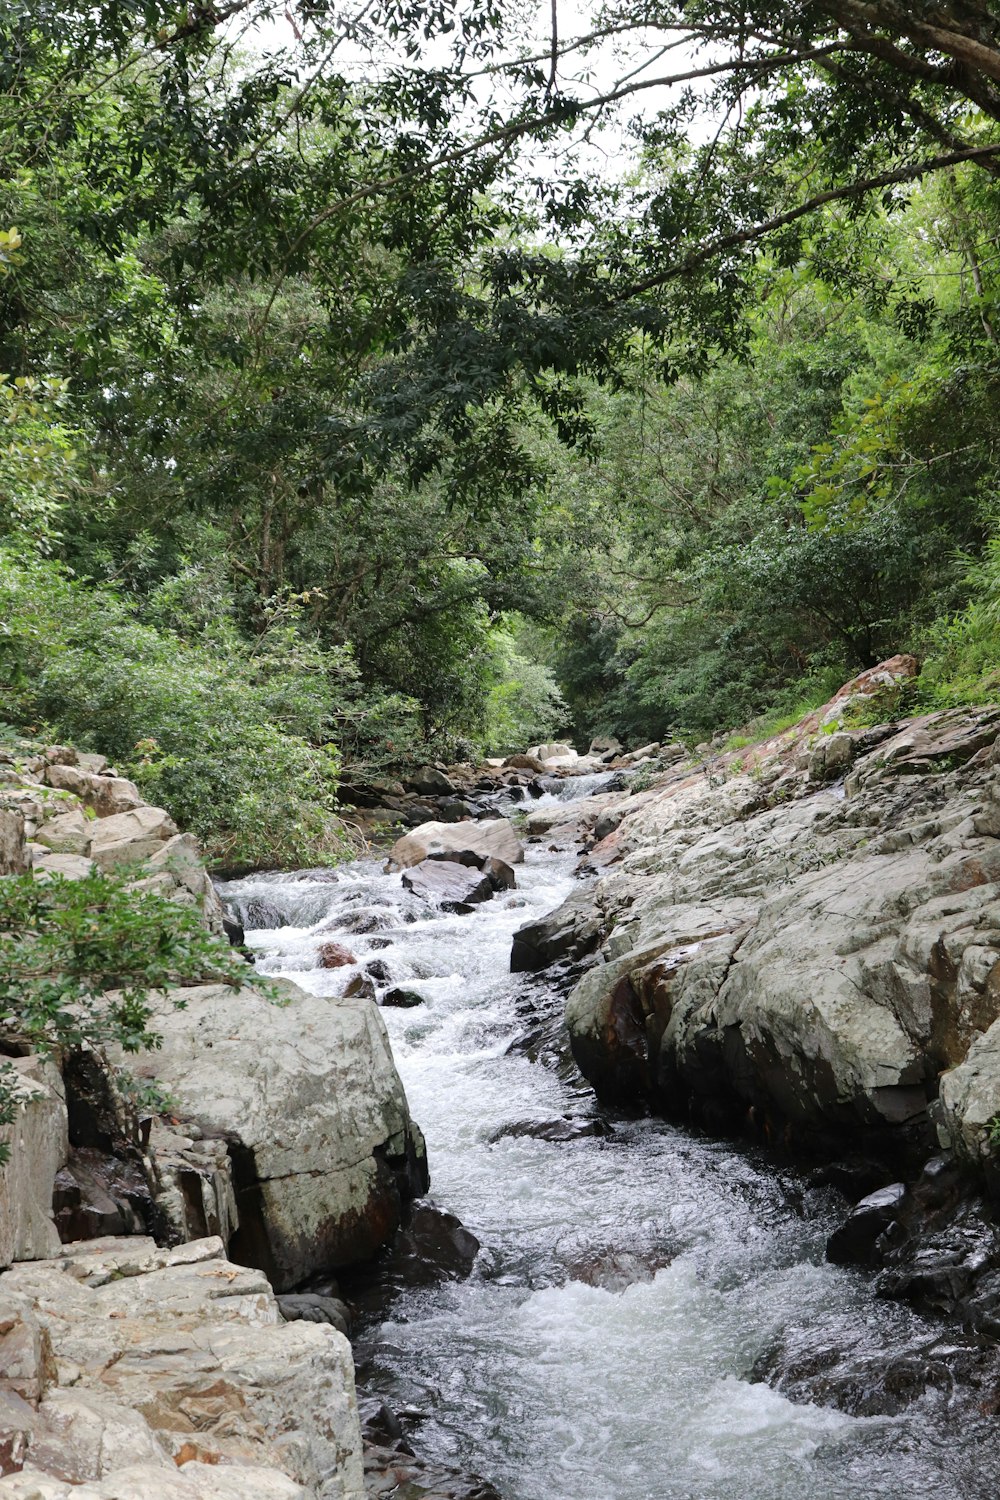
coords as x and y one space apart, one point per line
867 185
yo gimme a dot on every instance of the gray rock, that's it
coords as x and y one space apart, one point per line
307 1095
807 961
309 1307
445 883
170 1375
491 836
38 1140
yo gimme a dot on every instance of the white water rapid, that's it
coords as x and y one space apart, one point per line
603 1346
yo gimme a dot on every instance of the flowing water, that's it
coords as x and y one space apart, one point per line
603 1347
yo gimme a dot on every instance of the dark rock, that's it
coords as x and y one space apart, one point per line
452 886
402 998
95 1194
359 986
311 1308
855 1242
334 956
554 1130
377 968
381 1426
875 1381
570 932
233 928
428 781
454 810
434 1246
395 1471
855 1178
500 873
431 1246
368 919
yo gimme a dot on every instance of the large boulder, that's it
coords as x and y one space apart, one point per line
38 1143
129 838
805 960
428 781
491 836
445 883
555 750
306 1094
148 1374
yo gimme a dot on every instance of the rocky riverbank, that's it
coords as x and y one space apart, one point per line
801 940
797 941
130 1369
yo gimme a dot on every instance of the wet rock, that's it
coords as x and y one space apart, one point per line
334 956
359 987
95 1194
367 919
431 1246
309 1307
855 1242
554 1130
378 969
614 1268
394 1471
953 1373
233 929
451 886
401 998
569 933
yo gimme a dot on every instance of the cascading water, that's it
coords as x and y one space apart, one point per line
604 1346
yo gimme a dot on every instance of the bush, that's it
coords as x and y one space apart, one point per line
231 736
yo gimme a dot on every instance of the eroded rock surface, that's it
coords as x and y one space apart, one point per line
820 957
306 1096
128 1372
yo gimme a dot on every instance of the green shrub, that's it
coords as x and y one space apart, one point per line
79 959
233 737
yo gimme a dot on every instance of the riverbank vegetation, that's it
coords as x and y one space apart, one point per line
366 399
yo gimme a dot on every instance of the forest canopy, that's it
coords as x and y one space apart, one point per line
390 382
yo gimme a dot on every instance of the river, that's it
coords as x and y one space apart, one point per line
628 1284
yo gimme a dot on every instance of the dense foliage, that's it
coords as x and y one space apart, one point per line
419 381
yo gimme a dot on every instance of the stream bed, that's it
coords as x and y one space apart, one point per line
648 1301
